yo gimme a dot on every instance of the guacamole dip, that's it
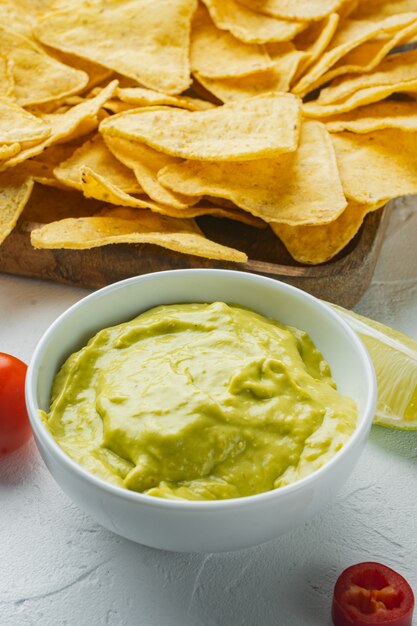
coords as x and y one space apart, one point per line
199 402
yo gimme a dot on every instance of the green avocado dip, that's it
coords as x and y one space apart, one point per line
199 402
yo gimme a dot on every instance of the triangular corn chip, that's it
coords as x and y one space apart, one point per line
319 243
217 53
367 119
15 191
7 151
358 99
76 122
304 10
130 226
146 163
349 35
18 125
314 41
146 40
250 26
277 80
141 97
295 188
96 155
398 68
248 129
368 55
378 166
37 76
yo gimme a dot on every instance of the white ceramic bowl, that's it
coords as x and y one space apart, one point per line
212 526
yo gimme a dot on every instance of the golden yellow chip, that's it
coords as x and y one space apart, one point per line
395 70
303 10
146 163
296 188
6 78
229 90
358 99
314 41
99 187
146 40
319 243
95 155
375 9
217 53
248 129
141 97
37 76
368 55
367 119
250 26
15 191
16 19
97 74
378 166
41 167
7 151
19 126
76 122
130 226
349 35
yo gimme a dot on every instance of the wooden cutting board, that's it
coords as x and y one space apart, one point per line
342 280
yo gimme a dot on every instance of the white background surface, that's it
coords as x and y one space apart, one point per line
59 568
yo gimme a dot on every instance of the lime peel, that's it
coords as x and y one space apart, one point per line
394 356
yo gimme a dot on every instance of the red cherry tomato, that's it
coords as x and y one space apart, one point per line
14 423
370 593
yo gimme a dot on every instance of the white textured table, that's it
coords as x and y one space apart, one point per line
58 567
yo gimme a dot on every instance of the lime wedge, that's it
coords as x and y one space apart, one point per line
394 356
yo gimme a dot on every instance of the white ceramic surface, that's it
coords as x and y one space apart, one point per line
202 526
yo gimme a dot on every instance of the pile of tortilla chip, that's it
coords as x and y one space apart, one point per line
122 121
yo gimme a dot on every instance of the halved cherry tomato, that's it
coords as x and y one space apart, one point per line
14 422
369 594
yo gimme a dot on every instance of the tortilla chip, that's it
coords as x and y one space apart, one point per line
378 166
367 56
317 244
217 53
296 188
141 97
129 226
6 78
37 76
146 163
156 56
19 126
76 122
15 191
349 35
367 119
248 129
16 19
9 150
303 10
96 155
97 74
396 69
375 9
358 99
250 26
41 168
315 40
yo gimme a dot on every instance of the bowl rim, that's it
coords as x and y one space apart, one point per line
361 430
